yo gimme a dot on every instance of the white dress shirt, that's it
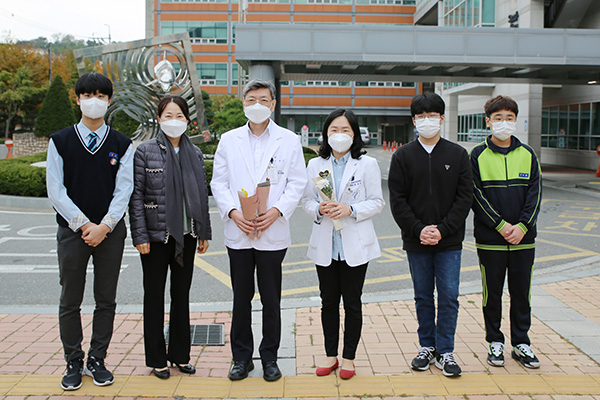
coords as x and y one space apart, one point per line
57 192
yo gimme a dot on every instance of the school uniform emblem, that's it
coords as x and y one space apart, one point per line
114 157
447 167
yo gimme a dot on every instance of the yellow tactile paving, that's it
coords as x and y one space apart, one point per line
36 385
89 389
569 384
149 386
7 382
311 386
256 388
413 385
203 387
366 386
471 385
522 384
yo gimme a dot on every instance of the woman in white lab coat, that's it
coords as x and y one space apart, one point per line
341 256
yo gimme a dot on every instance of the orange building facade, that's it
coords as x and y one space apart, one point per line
383 107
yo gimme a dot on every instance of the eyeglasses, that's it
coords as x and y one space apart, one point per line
431 115
499 118
252 100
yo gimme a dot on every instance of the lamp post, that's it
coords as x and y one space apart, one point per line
107 25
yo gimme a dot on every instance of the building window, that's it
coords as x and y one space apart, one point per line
194 1
573 126
387 2
200 32
321 83
212 74
472 128
469 13
387 84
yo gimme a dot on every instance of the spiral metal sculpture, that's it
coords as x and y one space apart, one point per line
143 71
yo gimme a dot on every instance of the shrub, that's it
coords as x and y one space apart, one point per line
208 147
56 112
19 178
124 123
308 154
208 170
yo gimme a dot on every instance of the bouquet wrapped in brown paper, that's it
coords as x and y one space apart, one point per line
325 189
255 205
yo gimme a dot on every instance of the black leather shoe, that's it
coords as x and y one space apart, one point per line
240 369
186 369
162 374
271 371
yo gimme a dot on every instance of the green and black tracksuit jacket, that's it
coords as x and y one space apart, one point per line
507 188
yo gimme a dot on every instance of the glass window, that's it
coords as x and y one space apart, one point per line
488 12
584 119
574 120
200 31
596 119
212 73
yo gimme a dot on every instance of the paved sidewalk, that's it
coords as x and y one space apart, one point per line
565 331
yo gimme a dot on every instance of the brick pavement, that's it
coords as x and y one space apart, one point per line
31 362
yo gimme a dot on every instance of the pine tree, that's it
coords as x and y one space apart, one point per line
56 112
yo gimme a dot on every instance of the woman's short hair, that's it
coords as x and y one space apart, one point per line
162 104
357 144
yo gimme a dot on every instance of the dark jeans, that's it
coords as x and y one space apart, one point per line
494 266
439 270
155 265
267 264
336 281
73 257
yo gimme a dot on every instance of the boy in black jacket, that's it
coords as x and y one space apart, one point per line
431 191
507 199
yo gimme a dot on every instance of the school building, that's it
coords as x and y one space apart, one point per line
559 119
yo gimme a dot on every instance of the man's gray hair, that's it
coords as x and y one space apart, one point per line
259 84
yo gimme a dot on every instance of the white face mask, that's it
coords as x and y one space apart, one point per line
257 113
173 127
428 127
504 129
340 142
93 108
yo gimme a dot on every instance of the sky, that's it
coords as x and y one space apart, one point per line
29 19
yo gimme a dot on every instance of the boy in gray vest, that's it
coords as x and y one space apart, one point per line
89 178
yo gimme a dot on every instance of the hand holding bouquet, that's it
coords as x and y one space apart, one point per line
325 188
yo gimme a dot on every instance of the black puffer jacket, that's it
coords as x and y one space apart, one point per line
147 208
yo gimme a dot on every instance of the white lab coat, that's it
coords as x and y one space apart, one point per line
360 187
233 170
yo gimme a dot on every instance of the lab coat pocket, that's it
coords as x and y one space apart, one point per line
366 232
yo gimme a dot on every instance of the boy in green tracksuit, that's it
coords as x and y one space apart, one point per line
507 198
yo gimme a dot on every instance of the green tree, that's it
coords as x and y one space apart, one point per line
208 108
15 89
124 123
230 117
56 112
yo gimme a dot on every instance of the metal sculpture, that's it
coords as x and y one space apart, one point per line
142 72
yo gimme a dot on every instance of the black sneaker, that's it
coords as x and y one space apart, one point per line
523 354
96 369
72 378
425 357
496 354
446 363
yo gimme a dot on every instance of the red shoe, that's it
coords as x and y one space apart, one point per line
347 373
324 371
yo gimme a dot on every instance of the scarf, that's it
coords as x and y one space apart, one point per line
185 179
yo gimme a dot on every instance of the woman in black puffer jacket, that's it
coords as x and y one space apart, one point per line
168 214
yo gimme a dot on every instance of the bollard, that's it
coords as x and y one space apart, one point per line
9 144
384 146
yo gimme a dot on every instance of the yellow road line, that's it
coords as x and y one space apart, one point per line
213 271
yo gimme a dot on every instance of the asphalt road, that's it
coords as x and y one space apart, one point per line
569 228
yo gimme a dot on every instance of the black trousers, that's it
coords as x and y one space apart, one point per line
494 266
155 265
339 280
73 257
267 264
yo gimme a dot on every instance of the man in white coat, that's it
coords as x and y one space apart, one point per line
245 157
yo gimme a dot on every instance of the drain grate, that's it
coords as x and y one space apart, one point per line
204 335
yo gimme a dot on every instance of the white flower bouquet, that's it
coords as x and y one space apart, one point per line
325 188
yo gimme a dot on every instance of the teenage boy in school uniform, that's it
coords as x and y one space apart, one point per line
507 200
89 180
431 190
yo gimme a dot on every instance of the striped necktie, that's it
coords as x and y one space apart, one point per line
93 141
